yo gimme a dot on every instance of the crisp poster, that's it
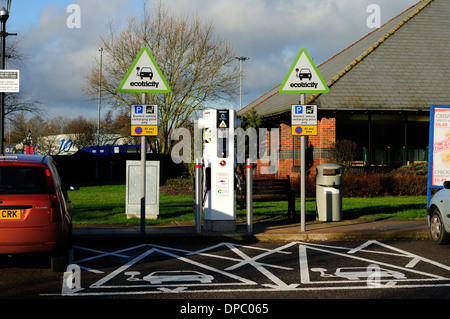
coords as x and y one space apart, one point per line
440 134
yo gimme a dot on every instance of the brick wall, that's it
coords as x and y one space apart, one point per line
289 155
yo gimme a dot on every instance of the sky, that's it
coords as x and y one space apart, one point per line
270 33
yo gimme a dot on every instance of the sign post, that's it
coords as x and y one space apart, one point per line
303 77
303 174
9 81
143 173
144 119
303 123
144 76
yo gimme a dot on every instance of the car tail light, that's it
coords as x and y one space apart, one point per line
55 209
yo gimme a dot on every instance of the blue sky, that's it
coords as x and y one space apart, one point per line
270 32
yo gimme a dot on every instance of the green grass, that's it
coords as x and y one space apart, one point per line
106 205
389 207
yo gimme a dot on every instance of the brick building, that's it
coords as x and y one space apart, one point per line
381 90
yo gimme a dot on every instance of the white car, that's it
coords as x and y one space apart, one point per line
438 214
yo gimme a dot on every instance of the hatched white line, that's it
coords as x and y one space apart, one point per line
303 261
380 263
261 267
101 282
267 253
278 282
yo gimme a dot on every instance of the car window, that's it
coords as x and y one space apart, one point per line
22 180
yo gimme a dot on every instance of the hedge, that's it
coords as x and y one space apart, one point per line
405 181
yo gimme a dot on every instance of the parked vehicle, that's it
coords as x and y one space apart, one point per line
439 215
35 211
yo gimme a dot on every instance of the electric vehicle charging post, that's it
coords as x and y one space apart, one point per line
219 164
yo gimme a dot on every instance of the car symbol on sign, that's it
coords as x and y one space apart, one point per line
304 73
146 73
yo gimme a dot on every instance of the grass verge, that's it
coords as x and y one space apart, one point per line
106 205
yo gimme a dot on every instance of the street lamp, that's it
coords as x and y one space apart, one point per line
241 59
99 106
5 7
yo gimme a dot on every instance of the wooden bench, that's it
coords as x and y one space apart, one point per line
271 190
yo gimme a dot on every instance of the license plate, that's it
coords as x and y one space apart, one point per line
10 214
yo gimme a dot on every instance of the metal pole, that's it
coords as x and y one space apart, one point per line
249 197
240 83
98 120
198 194
241 60
302 174
2 96
143 179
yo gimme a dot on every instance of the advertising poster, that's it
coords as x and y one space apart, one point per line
439 170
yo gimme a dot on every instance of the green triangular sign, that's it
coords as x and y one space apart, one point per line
303 77
144 76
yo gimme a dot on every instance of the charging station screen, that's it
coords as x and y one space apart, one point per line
223 125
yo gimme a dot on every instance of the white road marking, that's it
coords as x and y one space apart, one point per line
238 283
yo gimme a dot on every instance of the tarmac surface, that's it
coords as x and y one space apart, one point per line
355 229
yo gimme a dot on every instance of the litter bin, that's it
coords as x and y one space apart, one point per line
328 192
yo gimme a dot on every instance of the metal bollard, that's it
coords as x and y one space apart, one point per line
198 194
249 197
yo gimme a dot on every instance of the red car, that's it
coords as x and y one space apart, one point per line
35 212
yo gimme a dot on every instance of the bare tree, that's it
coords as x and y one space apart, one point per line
15 102
82 132
46 133
198 65
22 125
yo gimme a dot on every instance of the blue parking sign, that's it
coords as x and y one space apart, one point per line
138 109
299 109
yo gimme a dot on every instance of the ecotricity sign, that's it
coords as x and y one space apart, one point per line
144 76
303 77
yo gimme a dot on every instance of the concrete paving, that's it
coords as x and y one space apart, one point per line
356 229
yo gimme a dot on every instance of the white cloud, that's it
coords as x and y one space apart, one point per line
270 32
60 56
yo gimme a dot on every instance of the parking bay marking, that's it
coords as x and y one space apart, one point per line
101 282
414 258
304 267
305 281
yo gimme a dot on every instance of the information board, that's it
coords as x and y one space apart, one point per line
439 146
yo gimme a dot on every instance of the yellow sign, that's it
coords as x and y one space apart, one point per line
304 130
144 130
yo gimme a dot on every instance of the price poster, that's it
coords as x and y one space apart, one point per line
439 146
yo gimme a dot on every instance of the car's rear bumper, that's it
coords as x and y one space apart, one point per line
32 239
